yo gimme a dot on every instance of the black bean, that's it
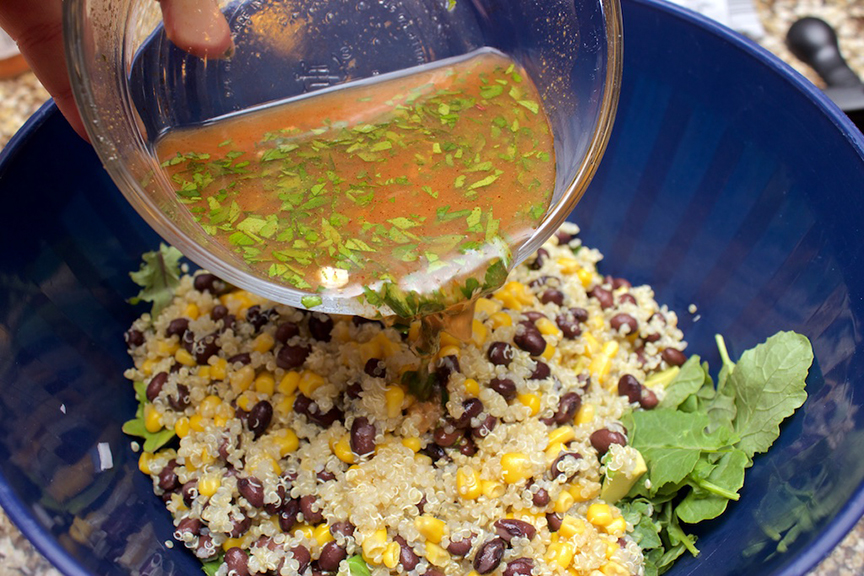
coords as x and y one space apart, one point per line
375 368
553 521
528 338
509 528
541 371
243 358
228 322
540 498
177 327
533 315
500 353
542 255
466 445
180 401
421 504
435 452
154 387
569 328
188 341
168 480
344 528
446 366
240 525
432 571
630 387
620 320
360 321
603 438
275 507
568 405
619 283
519 567
252 489
305 406
205 548
626 297
331 555
407 558
485 427
446 434
320 326
603 296
653 337
563 237
307 507
325 476
204 348
362 436
292 356
541 281
187 526
288 514
579 314
648 401
218 312
207 282
504 386
302 556
556 470
259 418
552 295
489 556
286 331
189 492
133 338
673 357
462 547
471 408
354 390
237 562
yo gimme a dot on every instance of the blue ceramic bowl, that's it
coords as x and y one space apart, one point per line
729 183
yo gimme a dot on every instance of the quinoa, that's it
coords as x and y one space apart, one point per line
300 446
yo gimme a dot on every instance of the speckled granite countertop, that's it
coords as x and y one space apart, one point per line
21 96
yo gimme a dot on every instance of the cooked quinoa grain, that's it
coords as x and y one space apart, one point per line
300 447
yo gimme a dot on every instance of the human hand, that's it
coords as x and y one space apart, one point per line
196 26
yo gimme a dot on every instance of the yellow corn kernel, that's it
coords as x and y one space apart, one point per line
468 483
147 366
197 423
585 414
181 427
553 450
237 302
204 372
548 352
500 319
473 573
478 333
592 346
520 291
263 342
191 311
413 443
374 546
585 277
422 459
564 501
472 387
246 401
561 553
599 514
614 569
585 493
166 348
322 534
393 398
265 383
260 465
219 369
530 400
571 526
568 265
449 351
309 382
220 421
241 379
390 558
342 449
286 404
601 364
492 489
507 299
617 527
152 419
209 405
611 547
232 543
446 339
286 441
548 327
289 382
430 528
184 357
562 434
208 485
305 529
516 467
144 462
488 306
436 555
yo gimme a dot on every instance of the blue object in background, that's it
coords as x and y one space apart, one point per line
729 183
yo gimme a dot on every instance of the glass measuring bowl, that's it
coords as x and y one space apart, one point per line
132 85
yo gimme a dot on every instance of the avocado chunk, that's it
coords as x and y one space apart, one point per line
624 466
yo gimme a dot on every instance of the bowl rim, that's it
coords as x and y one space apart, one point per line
798 565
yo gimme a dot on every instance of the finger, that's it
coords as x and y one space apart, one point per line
37 27
197 27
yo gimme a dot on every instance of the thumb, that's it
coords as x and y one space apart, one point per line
197 27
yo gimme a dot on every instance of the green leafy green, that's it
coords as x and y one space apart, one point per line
158 276
135 427
357 566
210 568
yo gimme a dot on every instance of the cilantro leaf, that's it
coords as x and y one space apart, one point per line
158 276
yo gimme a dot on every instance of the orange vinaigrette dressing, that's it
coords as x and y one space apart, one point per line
410 191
